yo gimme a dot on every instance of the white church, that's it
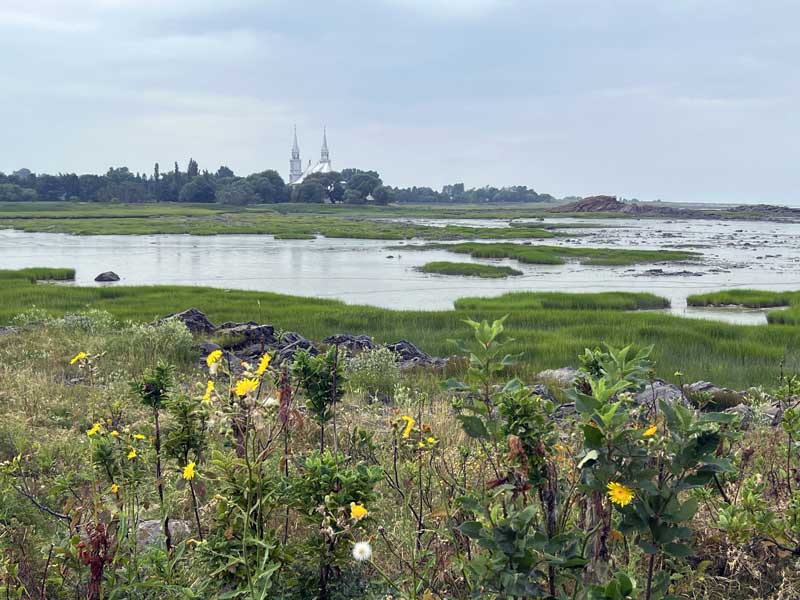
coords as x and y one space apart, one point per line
296 172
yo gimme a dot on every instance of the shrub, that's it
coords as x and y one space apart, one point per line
374 374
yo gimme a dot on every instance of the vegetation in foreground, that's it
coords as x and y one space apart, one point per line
556 255
128 471
468 270
550 328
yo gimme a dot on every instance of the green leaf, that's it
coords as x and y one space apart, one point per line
647 547
679 550
473 426
471 529
685 512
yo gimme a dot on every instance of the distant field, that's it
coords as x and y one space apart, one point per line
549 328
468 270
556 255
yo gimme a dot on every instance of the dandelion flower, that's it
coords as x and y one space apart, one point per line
650 431
115 433
132 453
362 551
431 440
188 471
209 389
263 364
409 425
139 436
94 429
78 357
357 511
114 488
619 494
213 357
245 386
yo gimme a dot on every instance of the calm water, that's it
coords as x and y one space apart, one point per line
735 255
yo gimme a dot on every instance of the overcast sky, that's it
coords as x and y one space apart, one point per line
685 100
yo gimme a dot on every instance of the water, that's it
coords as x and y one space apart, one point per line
735 255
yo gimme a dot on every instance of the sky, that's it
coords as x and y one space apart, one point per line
683 100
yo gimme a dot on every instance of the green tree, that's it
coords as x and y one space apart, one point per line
199 189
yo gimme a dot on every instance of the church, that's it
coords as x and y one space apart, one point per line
296 173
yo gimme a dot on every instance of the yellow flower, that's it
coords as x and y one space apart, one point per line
114 488
409 425
650 431
213 357
209 389
245 386
132 453
139 436
619 494
188 471
263 364
79 356
431 440
94 429
357 511
115 433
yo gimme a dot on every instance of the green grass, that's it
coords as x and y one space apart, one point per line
468 270
549 329
34 274
746 298
556 255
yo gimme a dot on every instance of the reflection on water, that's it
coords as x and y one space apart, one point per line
735 255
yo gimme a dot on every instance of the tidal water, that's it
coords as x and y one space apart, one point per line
734 255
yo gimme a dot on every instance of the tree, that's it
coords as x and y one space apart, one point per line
309 191
269 185
192 170
238 192
224 171
11 192
383 194
199 189
364 183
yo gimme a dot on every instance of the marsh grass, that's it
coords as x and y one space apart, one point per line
549 329
755 299
556 255
468 270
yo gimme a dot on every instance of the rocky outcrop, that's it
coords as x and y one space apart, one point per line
108 276
151 532
411 356
196 321
353 344
722 397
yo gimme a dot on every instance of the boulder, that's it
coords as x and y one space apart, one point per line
151 532
660 390
563 378
107 276
248 340
352 343
722 397
410 355
292 342
195 321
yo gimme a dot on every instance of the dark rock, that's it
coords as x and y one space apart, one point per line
410 356
250 336
352 343
663 273
195 321
107 276
7 330
292 342
722 397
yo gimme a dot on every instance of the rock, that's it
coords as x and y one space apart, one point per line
663 273
660 390
775 414
107 276
151 532
352 343
195 321
563 378
291 342
410 356
7 330
745 413
722 397
248 340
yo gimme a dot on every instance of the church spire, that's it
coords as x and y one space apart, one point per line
295 164
295 145
325 156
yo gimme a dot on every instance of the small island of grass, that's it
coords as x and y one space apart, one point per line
468 270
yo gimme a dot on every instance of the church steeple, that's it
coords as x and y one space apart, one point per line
325 156
295 164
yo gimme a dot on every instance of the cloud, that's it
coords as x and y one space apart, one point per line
453 8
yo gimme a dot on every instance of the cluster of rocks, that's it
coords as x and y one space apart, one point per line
248 341
107 277
688 395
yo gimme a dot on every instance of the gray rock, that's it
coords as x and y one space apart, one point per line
745 413
660 390
196 321
352 343
7 330
151 532
563 378
720 396
292 342
248 340
410 356
107 276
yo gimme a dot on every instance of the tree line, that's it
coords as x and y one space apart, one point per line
349 186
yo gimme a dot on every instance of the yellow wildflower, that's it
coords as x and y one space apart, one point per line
115 433
431 440
619 494
78 357
139 436
213 357
94 429
357 511
114 488
132 453
650 431
209 389
245 386
188 471
409 425
263 364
